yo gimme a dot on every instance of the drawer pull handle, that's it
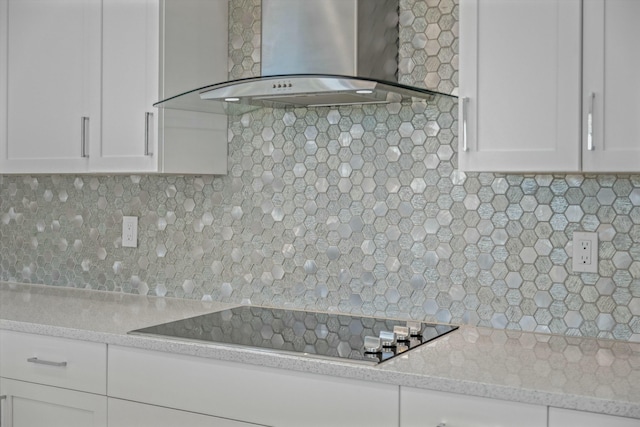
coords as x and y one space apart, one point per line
46 362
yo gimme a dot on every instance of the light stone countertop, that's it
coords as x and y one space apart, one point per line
574 373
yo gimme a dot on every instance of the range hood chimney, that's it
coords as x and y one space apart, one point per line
316 53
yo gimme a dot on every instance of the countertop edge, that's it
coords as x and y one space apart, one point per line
354 371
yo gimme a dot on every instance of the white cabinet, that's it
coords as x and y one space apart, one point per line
549 88
78 79
611 93
520 72
193 53
569 418
58 362
153 49
236 391
51 79
130 52
420 407
35 405
50 381
3 399
123 413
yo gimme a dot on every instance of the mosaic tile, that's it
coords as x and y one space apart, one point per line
359 209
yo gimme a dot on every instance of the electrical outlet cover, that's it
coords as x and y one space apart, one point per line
130 231
585 252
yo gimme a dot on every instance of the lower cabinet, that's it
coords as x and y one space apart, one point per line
53 382
420 407
268 396
58 362
34 405
56 382
568 418
122 413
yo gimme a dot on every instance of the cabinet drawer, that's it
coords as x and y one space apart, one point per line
570 418
433 408
275 397
59 362
123 413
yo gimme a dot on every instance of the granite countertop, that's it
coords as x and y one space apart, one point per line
567 372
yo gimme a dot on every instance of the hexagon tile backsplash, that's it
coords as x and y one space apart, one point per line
356 209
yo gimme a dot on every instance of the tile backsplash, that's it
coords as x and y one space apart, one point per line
356 209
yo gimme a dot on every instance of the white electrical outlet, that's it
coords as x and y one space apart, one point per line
585 252
130 231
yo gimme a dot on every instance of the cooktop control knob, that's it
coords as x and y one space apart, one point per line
402 332
415 328
401 348
388 339
372 344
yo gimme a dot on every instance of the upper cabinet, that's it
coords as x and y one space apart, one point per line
50 76
193 53
80 78
611 92
544 88
130 58
519 85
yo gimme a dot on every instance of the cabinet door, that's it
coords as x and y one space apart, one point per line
276 397
3 399
123 413
520 72
4 30
130 69
432 408
568 418
34 405
611 97
194 51
52 77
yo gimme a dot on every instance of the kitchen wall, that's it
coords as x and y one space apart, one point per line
356 209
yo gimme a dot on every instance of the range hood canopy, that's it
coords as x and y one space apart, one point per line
316 53
305 90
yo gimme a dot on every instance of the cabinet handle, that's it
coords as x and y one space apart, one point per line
148 121
46 362
84 137
465 147
592 98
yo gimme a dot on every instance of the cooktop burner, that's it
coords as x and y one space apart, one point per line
316 334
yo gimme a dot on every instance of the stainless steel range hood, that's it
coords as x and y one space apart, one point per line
316 53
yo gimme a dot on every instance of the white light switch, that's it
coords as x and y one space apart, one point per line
130 231
585 252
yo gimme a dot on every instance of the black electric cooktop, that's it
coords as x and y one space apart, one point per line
340 336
